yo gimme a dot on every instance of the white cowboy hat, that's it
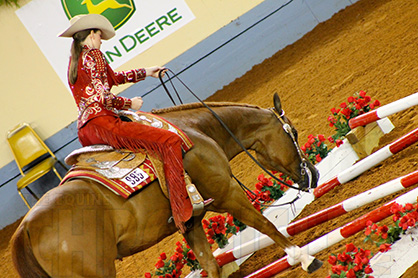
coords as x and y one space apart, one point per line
90 21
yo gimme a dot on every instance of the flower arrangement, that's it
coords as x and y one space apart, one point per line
352 263
404 217
172 267
218 228
268 190
316 149
357 104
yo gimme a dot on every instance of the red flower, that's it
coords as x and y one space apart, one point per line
368 270
409 206
331 119
191 256
346 112
210 233
330 139
342 257
230 220
159 264
321 137
175 257
339 142
259 186
411 222
343 105
350 99
384 247
332 260
362 94
335 111
180 256
383 229
395 208
376 103
350 273
337 269
147 275
163 256
318 158
365 260
205 223
350 248
179 266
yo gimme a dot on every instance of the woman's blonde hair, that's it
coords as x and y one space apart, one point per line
76 49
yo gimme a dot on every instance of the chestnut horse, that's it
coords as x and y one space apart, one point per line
80 228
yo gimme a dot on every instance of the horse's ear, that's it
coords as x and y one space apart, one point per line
277 103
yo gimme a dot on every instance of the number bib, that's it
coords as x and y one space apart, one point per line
135 178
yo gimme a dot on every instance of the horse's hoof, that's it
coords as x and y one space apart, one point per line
314 266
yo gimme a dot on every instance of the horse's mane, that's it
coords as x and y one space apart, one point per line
189 106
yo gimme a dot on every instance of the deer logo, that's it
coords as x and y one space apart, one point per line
103 6
117 11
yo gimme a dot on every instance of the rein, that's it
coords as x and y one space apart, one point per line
230 132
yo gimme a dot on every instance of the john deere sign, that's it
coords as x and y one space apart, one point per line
117 11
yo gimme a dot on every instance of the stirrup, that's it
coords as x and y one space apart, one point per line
196 199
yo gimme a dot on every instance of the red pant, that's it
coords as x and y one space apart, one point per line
134 136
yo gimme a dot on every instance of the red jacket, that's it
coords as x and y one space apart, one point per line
95 78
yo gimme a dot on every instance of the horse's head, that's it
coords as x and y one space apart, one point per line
281 151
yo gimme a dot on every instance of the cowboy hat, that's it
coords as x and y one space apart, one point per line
90 21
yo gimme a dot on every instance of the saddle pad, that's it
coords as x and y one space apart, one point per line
133 181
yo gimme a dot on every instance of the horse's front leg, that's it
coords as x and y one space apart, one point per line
197 240
239 206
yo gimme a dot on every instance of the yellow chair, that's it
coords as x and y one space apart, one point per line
33 158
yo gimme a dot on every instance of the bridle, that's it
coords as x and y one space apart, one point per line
305 171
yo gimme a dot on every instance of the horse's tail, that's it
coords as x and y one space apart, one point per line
22 254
